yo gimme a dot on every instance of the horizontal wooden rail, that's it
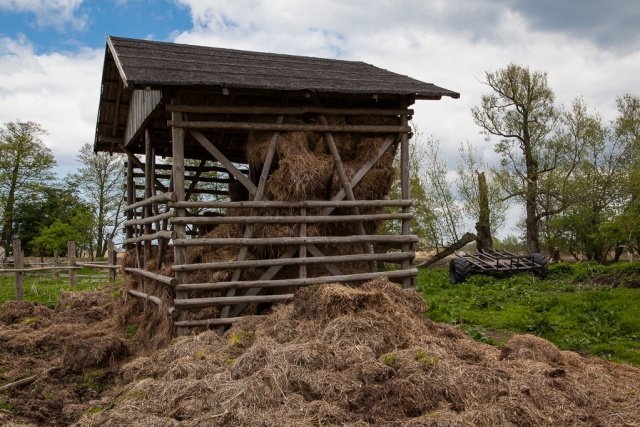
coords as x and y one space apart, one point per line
149 220
395 274
288 205
195 190
192 168
167 280
160 198
191 178
96 265
319 240
153 299
209 322
149 237
393 256
285 219
273 127
288 111
217 301
26 270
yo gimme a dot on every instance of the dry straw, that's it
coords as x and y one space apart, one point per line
359 357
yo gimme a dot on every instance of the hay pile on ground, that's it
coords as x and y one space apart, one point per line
358 357
59 349
302 169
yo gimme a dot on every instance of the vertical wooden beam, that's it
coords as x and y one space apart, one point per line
148 190
56 273
71 253
177 175
302 250
405 188
18 264
131 199
111 257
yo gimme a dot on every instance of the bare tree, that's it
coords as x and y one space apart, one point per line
100 181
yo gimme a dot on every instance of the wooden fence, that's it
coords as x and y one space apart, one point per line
19 269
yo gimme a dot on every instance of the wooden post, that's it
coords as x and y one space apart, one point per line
18 264
131 199
177 174
56 273
71 253
302 250
112 260
148 209
148 190
405 187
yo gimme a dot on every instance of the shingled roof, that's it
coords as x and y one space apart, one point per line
149 63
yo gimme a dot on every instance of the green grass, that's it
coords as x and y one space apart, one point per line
47 290
576 307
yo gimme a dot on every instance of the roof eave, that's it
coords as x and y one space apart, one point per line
114 53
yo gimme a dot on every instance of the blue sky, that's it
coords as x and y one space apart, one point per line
92 21
51 51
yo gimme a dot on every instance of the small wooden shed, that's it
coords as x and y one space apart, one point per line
246 143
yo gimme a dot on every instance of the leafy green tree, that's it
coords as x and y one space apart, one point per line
100 183
26 167
55 237
625 228
520 111
594 190
51 204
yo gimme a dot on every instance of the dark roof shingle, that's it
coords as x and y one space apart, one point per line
151 63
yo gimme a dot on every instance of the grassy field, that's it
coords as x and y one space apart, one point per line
588 308
47 290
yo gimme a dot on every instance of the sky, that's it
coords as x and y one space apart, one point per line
51 51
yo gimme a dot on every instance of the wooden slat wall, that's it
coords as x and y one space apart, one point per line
142 104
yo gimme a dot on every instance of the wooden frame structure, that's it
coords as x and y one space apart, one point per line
199 107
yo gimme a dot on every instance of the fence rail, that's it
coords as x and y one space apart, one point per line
19 269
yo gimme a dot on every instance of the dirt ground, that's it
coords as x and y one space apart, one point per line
334 356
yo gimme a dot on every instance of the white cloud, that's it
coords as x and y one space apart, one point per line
59 91
49 13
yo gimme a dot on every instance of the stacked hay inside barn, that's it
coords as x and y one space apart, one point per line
302 169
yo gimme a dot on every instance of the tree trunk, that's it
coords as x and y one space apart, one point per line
7 229
531 220
467 238
483 228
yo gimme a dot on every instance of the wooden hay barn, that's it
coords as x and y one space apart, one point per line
261 173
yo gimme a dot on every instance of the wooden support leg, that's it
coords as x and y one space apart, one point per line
177 175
